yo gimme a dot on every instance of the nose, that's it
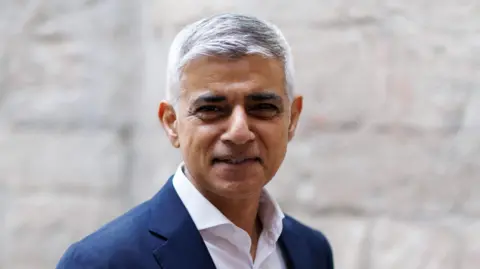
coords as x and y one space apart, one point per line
238 131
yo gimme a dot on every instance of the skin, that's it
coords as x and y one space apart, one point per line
232 110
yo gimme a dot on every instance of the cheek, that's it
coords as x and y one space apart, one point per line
190 132
275 140
202 138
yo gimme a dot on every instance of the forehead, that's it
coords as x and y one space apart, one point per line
233 77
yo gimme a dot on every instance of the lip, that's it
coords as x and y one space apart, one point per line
236 161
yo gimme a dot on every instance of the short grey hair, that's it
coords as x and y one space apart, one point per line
227 35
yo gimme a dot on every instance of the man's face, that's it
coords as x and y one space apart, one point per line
232 124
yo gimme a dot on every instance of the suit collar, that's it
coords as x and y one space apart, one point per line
183 247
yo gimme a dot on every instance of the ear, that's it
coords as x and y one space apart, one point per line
295 111
168 118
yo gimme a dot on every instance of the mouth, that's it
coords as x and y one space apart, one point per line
237 161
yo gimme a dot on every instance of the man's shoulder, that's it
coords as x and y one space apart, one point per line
126 234
316 239
307 231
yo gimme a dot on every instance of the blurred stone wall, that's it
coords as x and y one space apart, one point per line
386 161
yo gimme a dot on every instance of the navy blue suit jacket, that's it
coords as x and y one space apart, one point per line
160 234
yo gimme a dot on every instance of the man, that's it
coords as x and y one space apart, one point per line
231 110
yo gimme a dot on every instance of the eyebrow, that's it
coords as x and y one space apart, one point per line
209 98
256 97
264 96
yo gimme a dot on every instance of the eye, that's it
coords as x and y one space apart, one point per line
209 112
264 110
208 109
266 106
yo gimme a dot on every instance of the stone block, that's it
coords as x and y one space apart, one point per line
153 90
371 77
465 154
71 63
40 226
73 162
154 161
471 259
413 246
367 173
472 202
472 112
180 13
339 76
4 200
318 13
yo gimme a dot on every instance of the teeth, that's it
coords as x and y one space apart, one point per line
236 161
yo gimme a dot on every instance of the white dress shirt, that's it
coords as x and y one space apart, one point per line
228 245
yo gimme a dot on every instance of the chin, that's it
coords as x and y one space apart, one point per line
238 186
237 172
238 192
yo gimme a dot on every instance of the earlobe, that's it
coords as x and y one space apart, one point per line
168 118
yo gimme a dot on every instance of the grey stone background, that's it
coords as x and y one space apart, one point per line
386 161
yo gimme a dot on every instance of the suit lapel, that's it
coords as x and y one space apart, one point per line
294 247
183 246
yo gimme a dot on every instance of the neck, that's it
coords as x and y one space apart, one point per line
242 212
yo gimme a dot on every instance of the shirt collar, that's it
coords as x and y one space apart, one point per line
205 215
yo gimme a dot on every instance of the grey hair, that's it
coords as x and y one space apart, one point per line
231 36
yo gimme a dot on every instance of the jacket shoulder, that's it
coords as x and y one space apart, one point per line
127 234
316 240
